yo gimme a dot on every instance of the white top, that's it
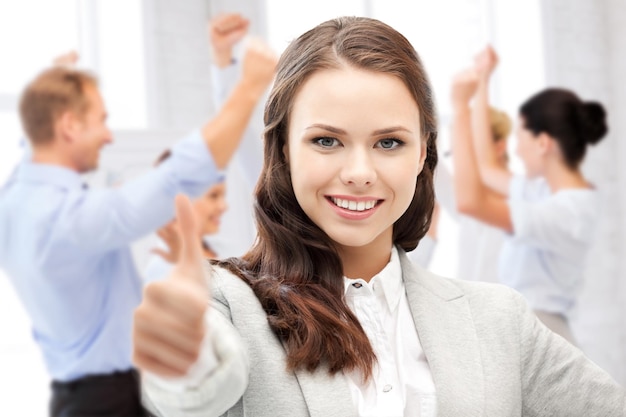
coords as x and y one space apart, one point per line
402 384
544 259
479 244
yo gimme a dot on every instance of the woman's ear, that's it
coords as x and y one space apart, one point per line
546 144
286 153
423 154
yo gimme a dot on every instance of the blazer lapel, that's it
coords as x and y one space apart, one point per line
446 331
325 395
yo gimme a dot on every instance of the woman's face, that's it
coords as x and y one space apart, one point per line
209 209
354 152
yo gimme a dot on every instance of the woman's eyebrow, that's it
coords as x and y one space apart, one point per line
392 129
327 127
338 131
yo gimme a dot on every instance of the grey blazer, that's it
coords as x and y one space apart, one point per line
488 354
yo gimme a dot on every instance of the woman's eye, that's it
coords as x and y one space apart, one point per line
389 143
326 142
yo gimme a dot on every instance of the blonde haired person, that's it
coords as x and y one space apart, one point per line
479 244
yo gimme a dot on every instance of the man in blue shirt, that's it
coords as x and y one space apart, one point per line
66 248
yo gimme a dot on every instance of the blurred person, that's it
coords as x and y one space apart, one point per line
208 210
479 243
225 33
66 248
325 315
550 214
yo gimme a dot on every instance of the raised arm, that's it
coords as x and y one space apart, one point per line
110 218
223 134
225 32
472 196
493 174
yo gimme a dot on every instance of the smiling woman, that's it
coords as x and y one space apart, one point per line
326 301
363 127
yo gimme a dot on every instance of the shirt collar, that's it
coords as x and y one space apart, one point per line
49 174
389 279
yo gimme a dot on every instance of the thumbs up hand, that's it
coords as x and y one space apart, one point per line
168 326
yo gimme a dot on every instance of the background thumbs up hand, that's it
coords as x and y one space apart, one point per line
168 325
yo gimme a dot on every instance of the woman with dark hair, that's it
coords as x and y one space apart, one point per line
325 315
551 213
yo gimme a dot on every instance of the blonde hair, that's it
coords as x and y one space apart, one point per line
52 93
500 124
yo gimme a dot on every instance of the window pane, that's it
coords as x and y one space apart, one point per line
32 34
121 62
446 34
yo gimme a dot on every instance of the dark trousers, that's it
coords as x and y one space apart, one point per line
111 395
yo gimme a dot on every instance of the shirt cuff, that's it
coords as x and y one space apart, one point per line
193 164
223 81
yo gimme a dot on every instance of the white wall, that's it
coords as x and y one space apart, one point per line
616 24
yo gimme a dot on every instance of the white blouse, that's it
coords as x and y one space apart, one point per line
545 257
402 384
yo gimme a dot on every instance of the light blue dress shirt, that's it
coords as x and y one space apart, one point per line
66 249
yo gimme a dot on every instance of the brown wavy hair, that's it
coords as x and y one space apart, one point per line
293 267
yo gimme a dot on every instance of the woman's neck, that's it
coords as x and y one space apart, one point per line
561 177
365 261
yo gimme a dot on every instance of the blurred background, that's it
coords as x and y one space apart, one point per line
152 58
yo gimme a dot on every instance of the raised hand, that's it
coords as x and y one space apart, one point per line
225 31
259 65
486 61
68 59
168 325
464 86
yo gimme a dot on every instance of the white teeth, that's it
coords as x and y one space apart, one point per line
353 205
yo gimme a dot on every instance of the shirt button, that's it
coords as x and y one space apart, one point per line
387 388
357 285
